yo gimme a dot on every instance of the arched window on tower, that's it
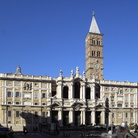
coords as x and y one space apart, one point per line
93 53
77 90
65 92
98 42
93 42
98 53
87 95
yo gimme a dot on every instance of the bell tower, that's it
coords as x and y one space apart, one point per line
94 52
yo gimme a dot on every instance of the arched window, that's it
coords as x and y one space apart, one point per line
65 92
98 42
87 95
97 91
77 90
98 53
93 53
93 42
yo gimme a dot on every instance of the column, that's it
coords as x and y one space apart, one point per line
110 118
93 117
71 91
103 117
83 88
81 92
93 91
71 117
49 117
60 118
83 117
59 95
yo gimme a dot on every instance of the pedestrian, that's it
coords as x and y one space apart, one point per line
136 127
25 130
11 132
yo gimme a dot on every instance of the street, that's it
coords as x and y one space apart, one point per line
44 135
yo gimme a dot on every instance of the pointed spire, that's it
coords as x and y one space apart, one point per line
94 27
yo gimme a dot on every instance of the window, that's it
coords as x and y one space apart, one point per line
88 90
9 113
77 90
36 103
112 115
44 95
98 42
9 93
126 98
65 92
27 95
126 105
131 115
9 102
35 95
93 42
98 53
17 102
119 105
93 53
126 115
17 114
131 98
17 94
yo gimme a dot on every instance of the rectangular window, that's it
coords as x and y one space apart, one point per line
131 98
17 114
9 94
119 105
17 94
9 113
112 115
35 95
126 98
43 95
131 115
126 115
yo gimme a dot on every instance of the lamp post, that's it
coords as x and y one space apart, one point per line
112 99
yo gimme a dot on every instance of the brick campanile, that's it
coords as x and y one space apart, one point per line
94 52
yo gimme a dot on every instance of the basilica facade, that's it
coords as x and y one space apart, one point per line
79 99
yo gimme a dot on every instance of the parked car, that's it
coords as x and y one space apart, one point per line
5 133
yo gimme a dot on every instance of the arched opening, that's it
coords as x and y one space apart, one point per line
97 91
65 92
87 95
77 90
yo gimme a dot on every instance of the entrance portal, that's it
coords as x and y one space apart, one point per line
98 117
77 118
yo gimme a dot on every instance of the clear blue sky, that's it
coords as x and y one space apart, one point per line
45 36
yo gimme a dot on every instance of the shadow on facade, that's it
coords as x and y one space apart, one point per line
34 122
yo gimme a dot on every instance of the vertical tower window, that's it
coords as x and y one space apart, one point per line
93 53
93 42
98 53
98 42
